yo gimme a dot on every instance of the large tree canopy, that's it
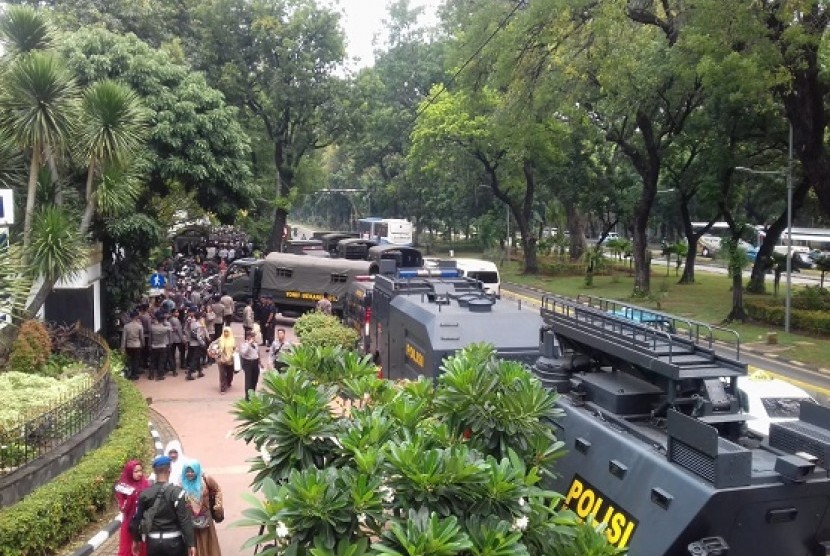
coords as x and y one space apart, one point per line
195 137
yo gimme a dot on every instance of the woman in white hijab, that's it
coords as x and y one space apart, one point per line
174 451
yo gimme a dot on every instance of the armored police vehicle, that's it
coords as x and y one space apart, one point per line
655 433
656 451
419 317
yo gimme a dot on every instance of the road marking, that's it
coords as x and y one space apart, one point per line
795 381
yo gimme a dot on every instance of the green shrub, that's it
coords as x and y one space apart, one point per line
31 349
453 467
48 518
772 311
812 298
317 329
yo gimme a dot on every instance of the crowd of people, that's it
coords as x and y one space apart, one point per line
182 330
223 243
171 513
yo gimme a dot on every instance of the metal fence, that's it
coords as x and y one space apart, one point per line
46 427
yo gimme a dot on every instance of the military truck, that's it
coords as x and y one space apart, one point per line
295 282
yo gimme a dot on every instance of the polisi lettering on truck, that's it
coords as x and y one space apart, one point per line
309 296
414 355
586 500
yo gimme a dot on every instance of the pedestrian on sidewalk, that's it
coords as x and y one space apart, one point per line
227 302
248 317
171 528
129 486
219 317
178 460
324 305
132 342
227 347
281 345
196 345
249 352
205 500
177 342
160 345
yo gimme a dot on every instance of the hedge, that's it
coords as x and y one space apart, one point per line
772 312
50 517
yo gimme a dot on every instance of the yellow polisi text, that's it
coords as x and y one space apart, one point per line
414 355
585 500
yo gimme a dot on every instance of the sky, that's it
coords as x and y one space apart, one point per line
362 20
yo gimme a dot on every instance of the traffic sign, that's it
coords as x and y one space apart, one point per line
6 207
157 280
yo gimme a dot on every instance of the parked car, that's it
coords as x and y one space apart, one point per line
609 237
769 400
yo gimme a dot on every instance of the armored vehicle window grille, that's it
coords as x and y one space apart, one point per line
339 278
693 460
794 437
285 272
814 432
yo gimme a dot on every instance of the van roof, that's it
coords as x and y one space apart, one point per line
488 265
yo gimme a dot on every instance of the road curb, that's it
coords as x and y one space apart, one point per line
114 526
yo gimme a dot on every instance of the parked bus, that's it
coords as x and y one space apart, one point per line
395 231
805 240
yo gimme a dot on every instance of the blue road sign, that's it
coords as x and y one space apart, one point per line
157 281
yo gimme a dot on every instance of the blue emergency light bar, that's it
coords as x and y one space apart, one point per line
429 272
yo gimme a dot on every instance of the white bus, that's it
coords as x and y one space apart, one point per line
394 231
805 240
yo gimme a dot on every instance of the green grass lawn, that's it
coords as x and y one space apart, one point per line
708 300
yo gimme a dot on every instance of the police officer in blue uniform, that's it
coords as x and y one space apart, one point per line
171 532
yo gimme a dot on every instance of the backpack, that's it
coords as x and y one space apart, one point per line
196 335
146 524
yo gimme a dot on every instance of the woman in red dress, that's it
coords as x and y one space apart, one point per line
131 483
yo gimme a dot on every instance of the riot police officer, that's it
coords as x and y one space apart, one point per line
171 529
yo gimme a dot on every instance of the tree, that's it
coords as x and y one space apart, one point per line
38 107
196 139
276 59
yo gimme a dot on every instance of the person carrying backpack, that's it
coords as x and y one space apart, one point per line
163 517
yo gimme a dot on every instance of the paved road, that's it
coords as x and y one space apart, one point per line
203 419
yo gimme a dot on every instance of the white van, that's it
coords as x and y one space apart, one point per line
485 272
769 400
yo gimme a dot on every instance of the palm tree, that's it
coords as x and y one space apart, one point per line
38 107
24 29
113 123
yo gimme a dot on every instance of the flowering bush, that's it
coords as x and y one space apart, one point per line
411 469
31 349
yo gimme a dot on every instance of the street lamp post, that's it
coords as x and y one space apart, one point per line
788 175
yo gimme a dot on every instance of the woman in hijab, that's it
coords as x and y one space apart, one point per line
227 346
199 489
129 486
173 450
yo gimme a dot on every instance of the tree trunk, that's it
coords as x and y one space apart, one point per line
31 194
523 220
642 268
285 180
576 227
762 258
737 313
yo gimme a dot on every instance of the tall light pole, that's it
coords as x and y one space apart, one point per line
788 175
